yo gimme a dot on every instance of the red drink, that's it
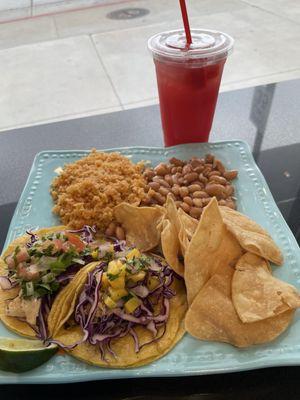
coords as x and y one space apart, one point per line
188 81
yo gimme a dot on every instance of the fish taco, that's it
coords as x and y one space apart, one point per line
36 267
126 312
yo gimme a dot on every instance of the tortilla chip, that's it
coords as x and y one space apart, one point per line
188 223
212 249
170 243
251 236
171 247
140 224
188 226
212 317
184 224
258 295
124 347
13 323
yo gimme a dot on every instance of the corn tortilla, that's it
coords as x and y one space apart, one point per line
64 302
124 347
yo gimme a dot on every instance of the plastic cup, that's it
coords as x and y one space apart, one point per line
188 80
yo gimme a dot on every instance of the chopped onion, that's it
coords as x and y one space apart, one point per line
78 261
6 283
29 288
140 291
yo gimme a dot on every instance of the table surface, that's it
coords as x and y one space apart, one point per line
267 117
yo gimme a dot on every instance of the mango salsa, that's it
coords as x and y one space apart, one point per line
135 253
105 281
117 294
114 267
117 283
137 277
95 254
132 304
109 302
152 283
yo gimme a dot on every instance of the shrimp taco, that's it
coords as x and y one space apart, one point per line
36 267
126 312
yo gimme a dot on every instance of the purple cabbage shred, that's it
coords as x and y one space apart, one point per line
87 233
33 238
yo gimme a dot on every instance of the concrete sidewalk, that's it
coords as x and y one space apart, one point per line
81 63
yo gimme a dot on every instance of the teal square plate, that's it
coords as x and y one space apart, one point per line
190 356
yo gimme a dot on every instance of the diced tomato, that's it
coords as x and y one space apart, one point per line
75 241
10 262
28 273
66 246
58 244
22 255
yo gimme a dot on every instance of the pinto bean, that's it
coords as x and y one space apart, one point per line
185 207
190 177
188 200
175 161
176 190
183 191
203 179
154 185
200 194
218 179
229 190
214 172
148 173
197 202
196 162
168 178
230 175
164 191
206 201
214 189
220 167
199 169
209 158
207 171
195 212
187 169
161 181
161 169
159 198
194 188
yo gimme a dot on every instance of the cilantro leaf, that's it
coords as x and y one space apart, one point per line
112 277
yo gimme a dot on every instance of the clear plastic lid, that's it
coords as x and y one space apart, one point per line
208 46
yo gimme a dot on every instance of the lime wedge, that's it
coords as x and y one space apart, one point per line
20 355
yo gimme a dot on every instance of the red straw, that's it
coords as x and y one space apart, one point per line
185 22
